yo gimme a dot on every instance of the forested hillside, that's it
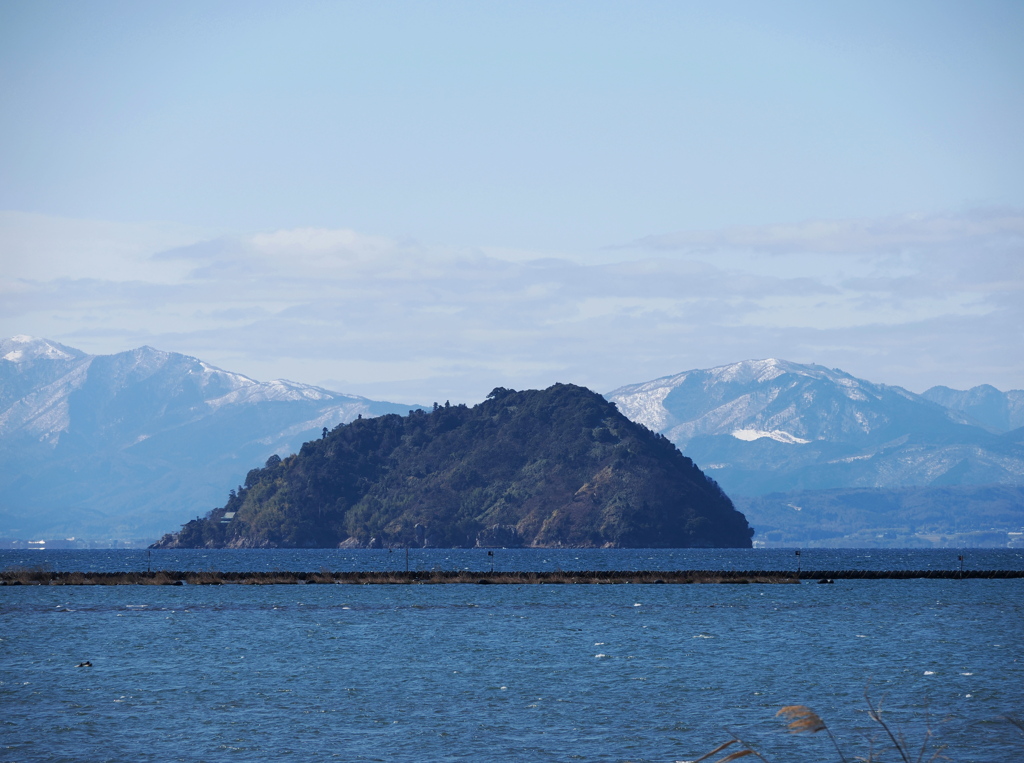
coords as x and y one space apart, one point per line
558 467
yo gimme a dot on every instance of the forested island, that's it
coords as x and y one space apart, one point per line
541 468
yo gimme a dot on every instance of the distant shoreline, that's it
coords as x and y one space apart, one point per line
34 576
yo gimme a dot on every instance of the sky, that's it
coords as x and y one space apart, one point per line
423 201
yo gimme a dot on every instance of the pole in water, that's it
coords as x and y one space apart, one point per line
961 556
798 562
149 560
491 554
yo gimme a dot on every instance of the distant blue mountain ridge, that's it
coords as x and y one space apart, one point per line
764 426
779 434
130 445
133 444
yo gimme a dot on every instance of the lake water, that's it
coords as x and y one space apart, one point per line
523 673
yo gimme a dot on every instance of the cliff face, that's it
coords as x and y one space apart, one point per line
558 467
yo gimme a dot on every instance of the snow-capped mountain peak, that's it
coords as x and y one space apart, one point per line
278 390
44 383
805 402
146 434
22 349
774 425
751 371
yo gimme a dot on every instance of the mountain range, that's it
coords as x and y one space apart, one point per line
984 404
769 426
126 446
134 444
778 434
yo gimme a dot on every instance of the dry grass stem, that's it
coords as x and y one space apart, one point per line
806 720
735 755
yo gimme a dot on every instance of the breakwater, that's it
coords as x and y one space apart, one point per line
37 576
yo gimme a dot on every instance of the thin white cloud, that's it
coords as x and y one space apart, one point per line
417 322
882 236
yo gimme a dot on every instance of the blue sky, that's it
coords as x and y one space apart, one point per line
426 200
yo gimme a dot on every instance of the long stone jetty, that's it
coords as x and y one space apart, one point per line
36 576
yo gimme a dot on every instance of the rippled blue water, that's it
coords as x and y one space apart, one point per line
487 673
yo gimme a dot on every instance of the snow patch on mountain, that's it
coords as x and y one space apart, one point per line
740 413
751 371
646 407
648 403
277 391
230 378
851 459
852 389
21 349
749 435
45 413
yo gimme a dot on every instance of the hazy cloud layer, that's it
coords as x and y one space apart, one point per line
895 235
915 301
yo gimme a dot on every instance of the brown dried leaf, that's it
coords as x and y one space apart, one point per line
803 719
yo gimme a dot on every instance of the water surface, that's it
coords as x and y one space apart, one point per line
484 673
